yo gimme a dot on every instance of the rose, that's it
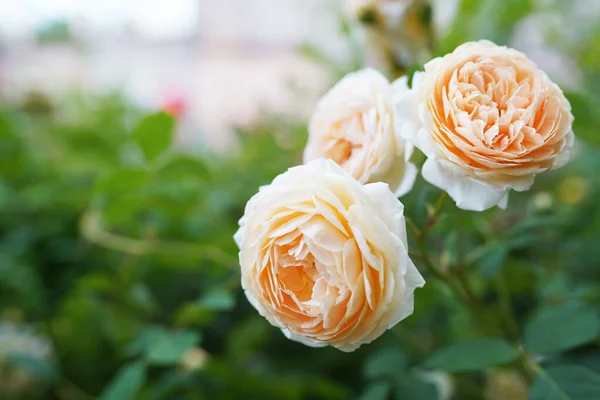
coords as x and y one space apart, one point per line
354 125
325 258
488 120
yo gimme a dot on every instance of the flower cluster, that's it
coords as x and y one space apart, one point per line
323 248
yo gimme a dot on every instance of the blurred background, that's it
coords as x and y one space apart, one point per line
133 132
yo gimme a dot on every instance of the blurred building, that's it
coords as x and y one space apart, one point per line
224 61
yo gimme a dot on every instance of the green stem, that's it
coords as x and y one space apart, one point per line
94 232
459 284
528 367
462 292
433 217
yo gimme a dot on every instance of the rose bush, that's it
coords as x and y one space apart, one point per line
325 258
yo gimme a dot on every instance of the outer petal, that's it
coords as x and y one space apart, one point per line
413 280
406 107
468 193
302 339
391 211
565 155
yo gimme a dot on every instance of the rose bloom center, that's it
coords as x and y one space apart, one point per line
349 136
312 273
493 103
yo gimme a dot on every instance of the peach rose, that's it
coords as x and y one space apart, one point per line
325 258
354 125
488 120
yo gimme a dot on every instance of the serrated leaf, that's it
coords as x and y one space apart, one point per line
376 391
560 330
566 382
385 362
472 355
127 383
154 134
168 347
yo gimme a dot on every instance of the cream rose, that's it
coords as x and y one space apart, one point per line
488 120
354 125
325 258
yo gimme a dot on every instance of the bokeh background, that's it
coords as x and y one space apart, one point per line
133 132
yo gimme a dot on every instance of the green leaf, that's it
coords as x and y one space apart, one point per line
472 355
125 180
122 209
184 166
492 261
127 383
409 387
247 336
141 297
218 300
168 347
141 344
385 362
153 134
589 358
566 382
561 329
376 391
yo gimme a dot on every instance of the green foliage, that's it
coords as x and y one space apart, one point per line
153 134
127 383
566 382
384 363
412 388
388 368
166 348
559 330
376 391
472 355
